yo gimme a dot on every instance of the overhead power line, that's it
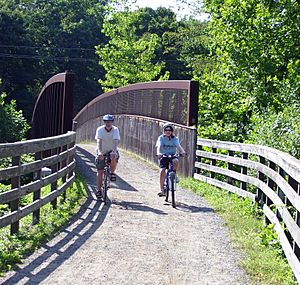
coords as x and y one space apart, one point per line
57 58
47 48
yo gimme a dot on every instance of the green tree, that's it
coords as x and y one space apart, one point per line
256 66
129 55
48 37
13 125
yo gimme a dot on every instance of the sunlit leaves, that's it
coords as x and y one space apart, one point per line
128 58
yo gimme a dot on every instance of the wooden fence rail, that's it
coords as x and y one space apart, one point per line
54 153
263 174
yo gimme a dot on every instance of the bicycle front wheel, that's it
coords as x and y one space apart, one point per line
105 186
173 181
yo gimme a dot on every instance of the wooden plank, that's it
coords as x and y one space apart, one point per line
24 169
286 216
225 186
17 215
290 164
36 145
6 197
293 197
251 180
288 251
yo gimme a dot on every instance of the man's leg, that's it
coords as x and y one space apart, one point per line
99 179
113 166
113 163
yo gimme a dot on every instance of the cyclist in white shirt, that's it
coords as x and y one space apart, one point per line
108 138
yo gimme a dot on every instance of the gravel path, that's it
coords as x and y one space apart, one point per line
136 239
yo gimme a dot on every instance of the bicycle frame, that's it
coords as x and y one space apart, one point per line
106 176
170 179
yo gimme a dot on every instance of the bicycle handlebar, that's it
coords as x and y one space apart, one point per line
172 155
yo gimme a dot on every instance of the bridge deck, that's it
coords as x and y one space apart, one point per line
136 238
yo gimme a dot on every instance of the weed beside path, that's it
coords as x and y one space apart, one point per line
263 258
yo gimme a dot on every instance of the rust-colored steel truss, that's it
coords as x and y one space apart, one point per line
173 100
53 111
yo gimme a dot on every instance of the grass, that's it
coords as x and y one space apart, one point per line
262 259
30 237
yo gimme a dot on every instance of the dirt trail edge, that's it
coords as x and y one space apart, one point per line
136 239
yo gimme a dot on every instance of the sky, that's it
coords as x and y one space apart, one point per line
181 10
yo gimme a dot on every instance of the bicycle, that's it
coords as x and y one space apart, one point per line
106 177
170 179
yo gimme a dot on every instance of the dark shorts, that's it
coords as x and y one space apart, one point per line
164 162
100 164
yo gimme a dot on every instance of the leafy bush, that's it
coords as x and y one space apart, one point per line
13 125
279 130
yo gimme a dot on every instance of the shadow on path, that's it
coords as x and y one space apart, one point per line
136 206
88 158
192 209
89 218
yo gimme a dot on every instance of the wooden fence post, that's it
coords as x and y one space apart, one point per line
199 147
37 193
230 167
296 247
213 163
259 194
244 170
54 168
295 185
15 204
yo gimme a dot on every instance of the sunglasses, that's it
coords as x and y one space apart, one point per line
168 130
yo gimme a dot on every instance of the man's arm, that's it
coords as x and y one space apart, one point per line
99 147
115 145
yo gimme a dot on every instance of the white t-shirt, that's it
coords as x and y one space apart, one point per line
107 137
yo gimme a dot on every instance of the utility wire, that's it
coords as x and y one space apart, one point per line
47 48
61 58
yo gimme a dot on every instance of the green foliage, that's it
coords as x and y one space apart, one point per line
188 47
14 248
13 125
279 130
269 238
128 56
41 38
262 253
253 79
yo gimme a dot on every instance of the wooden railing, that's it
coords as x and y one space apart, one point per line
263 174
53 153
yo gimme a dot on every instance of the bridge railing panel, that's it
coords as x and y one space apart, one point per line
139 135
263 174
173 100
26 178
